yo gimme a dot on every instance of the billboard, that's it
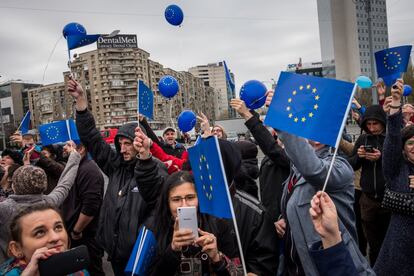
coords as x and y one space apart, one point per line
118 41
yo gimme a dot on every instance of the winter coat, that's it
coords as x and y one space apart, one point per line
167 261
397 251
257 234
310 169
372 179
123 209
9 207
274 168
85 197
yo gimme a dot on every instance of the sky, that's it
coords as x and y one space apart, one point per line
258 39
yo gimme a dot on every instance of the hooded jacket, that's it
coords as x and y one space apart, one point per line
123 209
372 178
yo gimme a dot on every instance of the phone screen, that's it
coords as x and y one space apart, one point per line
187 219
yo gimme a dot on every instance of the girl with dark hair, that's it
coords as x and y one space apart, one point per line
37 233
178 252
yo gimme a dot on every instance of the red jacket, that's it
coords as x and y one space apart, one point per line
173 163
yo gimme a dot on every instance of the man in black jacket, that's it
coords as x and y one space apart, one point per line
81 209
367 154
275 166
123 209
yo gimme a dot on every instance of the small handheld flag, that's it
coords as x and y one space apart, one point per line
25 123
143 253
392 62
145 100
210 178
229 80
310 107
59 132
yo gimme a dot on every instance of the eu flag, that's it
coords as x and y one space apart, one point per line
25 123
310 107
229 80
210 178
392 61
145 100
143 253
59 132
76 41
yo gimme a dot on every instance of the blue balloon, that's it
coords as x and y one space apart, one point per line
187 120
364 82
407 90
73 29
253 93
174 15
168 86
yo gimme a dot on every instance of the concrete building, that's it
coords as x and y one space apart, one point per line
14 103
109 78
49 103
214 75
346 29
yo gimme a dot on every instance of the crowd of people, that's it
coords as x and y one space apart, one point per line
52 198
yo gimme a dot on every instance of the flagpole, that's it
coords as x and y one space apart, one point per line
339 137
231 209
138 100
68 130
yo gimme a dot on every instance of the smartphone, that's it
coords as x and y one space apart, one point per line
369 148
187 219
65 263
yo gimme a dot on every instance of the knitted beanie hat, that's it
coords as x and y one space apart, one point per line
29 180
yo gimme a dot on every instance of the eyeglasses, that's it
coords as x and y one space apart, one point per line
179 199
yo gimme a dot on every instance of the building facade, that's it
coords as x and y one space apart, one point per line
350 32
214 75
14 103
49 103
109 78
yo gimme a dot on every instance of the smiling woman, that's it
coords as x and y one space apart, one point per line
37 233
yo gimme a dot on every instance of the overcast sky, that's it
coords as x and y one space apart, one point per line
257 38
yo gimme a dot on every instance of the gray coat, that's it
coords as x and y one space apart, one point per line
311 168
8 208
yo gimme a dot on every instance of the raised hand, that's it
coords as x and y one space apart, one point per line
240 107
142 144
325 219
208 243
204 125
181 238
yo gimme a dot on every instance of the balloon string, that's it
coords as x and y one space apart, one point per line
48 60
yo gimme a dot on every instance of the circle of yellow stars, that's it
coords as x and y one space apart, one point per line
396 64
209 189
315 107
56 132
145 95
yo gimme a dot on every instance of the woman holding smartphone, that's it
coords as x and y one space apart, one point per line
179 251
37 233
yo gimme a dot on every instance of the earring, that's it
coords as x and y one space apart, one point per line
20 255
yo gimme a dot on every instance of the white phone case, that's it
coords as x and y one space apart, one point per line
187 219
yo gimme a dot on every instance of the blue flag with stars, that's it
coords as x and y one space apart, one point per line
142 254
310 107
145 100
210 178
76 41
59 132
392 62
